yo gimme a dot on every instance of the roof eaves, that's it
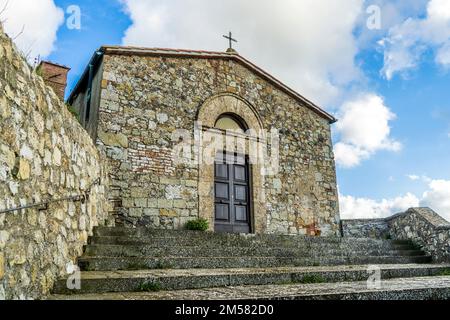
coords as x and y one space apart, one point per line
84 75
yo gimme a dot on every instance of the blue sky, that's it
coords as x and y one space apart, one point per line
398 74
102 22
422 106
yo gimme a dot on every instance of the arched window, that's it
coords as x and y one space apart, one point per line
230 122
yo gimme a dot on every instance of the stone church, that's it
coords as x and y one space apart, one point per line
168 137
139 103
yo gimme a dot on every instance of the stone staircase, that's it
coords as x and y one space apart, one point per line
125 263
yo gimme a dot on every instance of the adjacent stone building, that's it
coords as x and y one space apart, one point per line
158 115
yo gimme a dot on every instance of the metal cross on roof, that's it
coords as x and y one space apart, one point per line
230 38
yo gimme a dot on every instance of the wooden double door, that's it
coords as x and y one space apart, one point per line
232 187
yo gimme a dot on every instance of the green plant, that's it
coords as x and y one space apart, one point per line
39 71
150 287
312 278
198 225
444 272
73 111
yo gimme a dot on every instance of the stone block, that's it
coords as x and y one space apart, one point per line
152 125
191 183
58 214
165 204
168 213
151 212
26 152
16 253
24 169
4 236
136 212
7 156
113 139
138 192
140 202
5 109
181 204
162 118
152 203
57 157
164 180
173 192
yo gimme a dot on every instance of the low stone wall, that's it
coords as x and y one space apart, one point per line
425 228
422 226
44 154
370 228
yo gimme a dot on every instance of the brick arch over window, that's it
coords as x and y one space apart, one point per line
211 110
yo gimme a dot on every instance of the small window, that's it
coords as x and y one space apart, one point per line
228 122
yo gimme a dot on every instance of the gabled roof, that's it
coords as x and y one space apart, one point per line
141 51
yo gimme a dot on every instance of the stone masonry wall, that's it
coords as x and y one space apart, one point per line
425 228
145 99
370 228
44 154
422 226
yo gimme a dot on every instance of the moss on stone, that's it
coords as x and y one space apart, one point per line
150 287
312 278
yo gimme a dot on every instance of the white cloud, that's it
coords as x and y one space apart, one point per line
364 208
443 55
413 177
437 197
406 42
393 12
364 129
39 20
308 44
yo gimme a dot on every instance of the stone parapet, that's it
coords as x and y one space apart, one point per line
365 228
423 226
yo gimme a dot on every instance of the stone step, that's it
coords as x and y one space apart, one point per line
129 281
242 242
171 235
416 288
136 263
191 251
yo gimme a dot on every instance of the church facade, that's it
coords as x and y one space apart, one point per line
195 134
